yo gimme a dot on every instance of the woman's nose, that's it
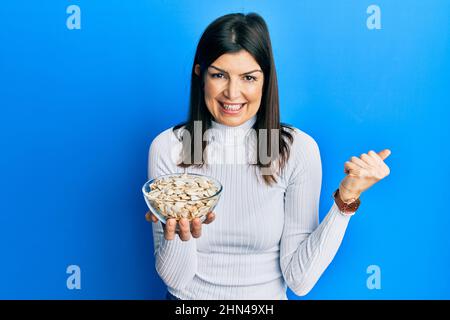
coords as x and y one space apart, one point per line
233 90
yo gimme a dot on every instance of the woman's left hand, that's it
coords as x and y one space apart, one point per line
362 173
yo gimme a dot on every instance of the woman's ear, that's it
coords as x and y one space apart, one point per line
197 70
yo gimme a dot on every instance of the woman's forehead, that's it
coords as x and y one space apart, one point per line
237 62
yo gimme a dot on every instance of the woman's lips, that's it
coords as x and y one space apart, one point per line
230 111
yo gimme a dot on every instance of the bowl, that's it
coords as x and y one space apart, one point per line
182 195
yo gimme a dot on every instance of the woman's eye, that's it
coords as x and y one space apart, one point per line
217 75
222 76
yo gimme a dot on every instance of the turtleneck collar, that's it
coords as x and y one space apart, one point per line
231 135
246 125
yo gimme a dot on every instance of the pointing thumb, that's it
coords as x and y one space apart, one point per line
384 154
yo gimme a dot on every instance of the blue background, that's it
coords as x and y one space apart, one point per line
79 109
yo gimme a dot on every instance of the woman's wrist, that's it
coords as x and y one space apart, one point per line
347 195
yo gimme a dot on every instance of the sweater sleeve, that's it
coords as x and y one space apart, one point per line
307 248
175 260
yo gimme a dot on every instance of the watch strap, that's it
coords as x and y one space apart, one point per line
347 208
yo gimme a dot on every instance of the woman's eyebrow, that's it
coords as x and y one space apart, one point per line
211 66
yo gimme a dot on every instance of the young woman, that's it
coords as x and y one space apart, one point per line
266 234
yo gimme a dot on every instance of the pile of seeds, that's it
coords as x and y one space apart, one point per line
183 196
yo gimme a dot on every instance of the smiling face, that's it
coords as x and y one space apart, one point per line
233 88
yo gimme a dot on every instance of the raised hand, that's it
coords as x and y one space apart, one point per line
362 173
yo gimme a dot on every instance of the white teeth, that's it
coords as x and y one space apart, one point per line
233 107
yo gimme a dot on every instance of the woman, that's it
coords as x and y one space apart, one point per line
266 236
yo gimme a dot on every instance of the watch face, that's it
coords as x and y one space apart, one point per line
346 208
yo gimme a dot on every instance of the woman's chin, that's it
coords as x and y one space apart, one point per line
232 121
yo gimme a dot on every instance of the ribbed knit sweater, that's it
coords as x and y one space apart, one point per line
264 238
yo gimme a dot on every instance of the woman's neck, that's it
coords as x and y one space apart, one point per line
245 125
229 134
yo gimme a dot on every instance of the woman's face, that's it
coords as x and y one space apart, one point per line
233 88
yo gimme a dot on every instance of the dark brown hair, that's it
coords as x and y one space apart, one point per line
229 34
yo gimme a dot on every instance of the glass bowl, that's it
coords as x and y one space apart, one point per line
179 195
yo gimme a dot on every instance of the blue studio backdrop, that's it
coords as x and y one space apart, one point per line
86 85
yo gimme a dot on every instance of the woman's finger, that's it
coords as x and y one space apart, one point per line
358 162
196 228
169 229
368 159
150 217
384 154
185 232
376 157
153 217
350 167
210 218
381 164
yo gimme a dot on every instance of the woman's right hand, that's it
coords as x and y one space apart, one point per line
186 229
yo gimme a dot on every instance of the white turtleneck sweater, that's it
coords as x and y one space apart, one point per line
263 238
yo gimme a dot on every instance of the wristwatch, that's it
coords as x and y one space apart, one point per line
347 209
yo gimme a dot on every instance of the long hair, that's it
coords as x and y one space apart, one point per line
229 34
